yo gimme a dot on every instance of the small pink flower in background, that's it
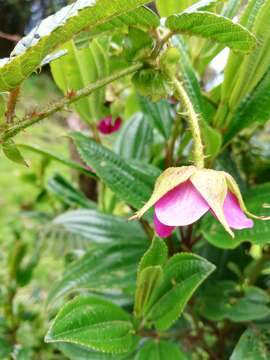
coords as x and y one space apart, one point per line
183 195
108 126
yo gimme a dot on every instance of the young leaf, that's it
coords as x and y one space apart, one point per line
12 153
156 255
253 344
183 274
162 350
135 139
56 30
125 181
94 323
148 280
213 26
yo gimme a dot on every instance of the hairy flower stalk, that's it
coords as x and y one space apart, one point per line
182 195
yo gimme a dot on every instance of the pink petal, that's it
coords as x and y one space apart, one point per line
107 126
162 230
181 206
233 213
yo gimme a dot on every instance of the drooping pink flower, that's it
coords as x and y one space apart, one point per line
183 195
108 126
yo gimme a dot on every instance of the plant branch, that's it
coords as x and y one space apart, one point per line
11 104
193 120
71 97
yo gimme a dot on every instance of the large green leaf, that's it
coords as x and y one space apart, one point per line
79 68
156 255
159 115
91 271
128 183
259 234
170 7
252 345
135 139
56 30
183 273
98 227
212 26
161 350
67 193
226 300
77 352
94 323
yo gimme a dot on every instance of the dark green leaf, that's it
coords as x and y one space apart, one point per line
94 323
156 255
160 350
114 171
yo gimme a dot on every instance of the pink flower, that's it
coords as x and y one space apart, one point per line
184 194
184 205
107 126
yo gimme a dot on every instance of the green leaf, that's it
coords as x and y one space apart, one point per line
98 227
76 352
58 158
114 171
183 274
159 115
91 273
255 108
2 106
56 30
170 7
252 345
137 44
161 350
67 193
226 300
157 254
148 280
135 139
213 26
79 68
12 153
259 234
94 323
212 140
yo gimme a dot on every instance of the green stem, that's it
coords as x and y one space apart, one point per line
70 98
193 121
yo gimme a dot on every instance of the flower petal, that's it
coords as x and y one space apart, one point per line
168 180
161 229
234 214
181 206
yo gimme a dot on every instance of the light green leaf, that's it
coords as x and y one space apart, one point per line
90 272
148 280
11 151
79 68
157 254
161 350
259 234
67 193
135 139
170 7
128 183
213 26
94 323
56 30
183 274
159 115
252 345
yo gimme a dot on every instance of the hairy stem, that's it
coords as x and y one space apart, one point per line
193 121
70 98
12 101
